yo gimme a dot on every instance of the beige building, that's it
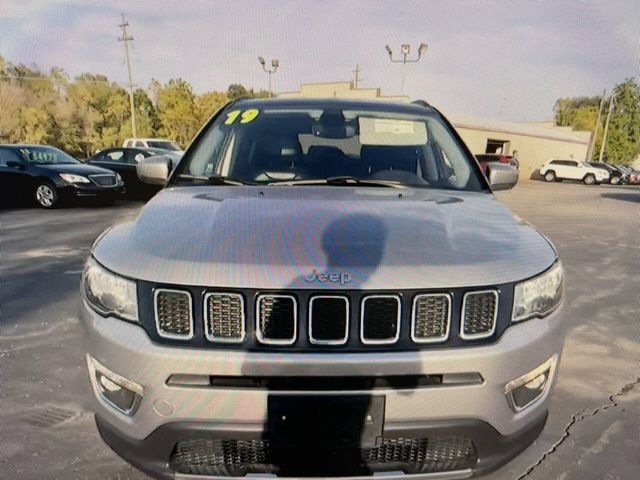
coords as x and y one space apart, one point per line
340 90
535 142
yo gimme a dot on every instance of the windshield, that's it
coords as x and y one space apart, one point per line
164 145
272 146
45 156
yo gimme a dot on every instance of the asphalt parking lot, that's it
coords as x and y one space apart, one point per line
593 431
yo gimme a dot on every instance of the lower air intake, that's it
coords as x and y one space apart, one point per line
239 457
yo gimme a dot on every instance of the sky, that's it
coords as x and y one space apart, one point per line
503 59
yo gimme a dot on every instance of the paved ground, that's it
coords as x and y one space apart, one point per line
47 432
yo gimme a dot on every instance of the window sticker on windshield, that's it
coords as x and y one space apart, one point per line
391 131
245 117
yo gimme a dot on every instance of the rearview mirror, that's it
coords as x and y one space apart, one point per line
502 176
154 170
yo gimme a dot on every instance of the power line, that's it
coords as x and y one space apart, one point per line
126 38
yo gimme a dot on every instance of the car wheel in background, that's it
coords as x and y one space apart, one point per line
46 195
550 176
589 179
614 180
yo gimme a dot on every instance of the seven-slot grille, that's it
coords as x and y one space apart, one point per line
173 313
431 318
329 320
276 319
479 314
380 319
224 317
104 179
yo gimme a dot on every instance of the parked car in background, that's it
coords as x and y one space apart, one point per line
557 169
124 162
632 176
161 143
616 176
484 159
49 176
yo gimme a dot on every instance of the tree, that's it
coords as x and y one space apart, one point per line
177 111
236 91
209 103
623 142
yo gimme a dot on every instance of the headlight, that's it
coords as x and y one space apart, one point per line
538 296
108 293
72 178
118 178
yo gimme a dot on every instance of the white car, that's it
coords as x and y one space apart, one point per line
566 169
161 143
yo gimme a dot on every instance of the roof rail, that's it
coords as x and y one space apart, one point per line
422 103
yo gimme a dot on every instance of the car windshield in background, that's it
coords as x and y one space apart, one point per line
45 156
305 146
164 145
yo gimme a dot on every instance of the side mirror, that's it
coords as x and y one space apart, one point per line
154 170
502 176
15 164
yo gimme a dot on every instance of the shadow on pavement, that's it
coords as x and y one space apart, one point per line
625 197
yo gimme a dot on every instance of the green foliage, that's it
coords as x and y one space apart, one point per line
623 139
90 113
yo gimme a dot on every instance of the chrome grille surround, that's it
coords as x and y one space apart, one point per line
479 314
263 310
104 179
377 341
338 341
230 312
438 317
175 308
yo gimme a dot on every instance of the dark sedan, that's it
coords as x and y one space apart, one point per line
124 161
49 176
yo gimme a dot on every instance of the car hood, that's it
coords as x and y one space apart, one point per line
77 168
287 237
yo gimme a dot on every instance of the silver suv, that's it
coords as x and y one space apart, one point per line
323 288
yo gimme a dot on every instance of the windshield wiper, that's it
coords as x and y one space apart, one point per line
214 179
340 181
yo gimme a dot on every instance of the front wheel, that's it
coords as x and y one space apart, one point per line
589 180
550 176
615 180
46 195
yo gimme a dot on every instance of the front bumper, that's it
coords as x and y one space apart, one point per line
168 414
90 190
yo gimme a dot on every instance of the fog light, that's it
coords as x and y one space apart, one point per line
525 390
122 394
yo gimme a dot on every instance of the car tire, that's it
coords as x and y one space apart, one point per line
550 176
46 195
589 179
614 181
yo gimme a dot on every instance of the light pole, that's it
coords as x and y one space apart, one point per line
405 50
274 66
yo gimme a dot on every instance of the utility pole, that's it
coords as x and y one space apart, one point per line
357 72
592 145
606 127
126 38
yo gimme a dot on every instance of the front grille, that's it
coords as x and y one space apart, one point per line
239 457
380 319
277 318
224 317
219 457
328 320
174 314
430 318
479 313
104 180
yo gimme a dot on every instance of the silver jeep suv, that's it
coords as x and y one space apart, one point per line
323 288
